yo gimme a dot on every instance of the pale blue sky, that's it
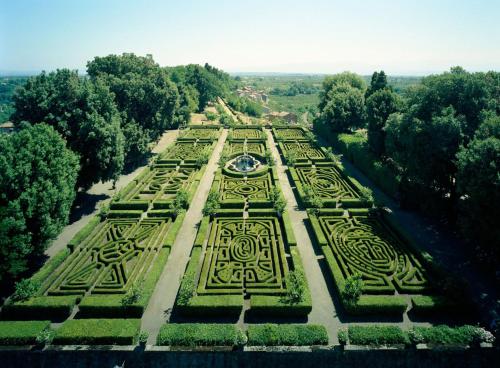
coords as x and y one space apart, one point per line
313 36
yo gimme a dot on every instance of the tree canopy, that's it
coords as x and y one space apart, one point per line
37 187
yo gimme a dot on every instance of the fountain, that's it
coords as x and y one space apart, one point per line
244 163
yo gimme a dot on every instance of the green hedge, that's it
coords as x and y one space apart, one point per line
199 334
213 305
129 205
445 335
111 306
125 214
377 335
287 334
21 332
41 307
98 331
84 232
379 305
50 266
425 305
355 149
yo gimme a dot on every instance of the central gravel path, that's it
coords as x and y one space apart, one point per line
323 309
163 298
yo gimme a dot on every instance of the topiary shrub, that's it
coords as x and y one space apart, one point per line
25 289
295 287
353 288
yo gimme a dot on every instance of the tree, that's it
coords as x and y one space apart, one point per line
478 181
83 113
329 83
378 82
37 188
379 105
148 101
425 150
344 109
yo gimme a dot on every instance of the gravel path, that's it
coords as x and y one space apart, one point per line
323 311
163 298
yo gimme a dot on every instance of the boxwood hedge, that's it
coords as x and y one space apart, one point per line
199 334
287 334
377 335
98 331
21 332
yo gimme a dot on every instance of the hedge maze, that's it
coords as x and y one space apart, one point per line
113 257
289 133
201 132
243 256
245 250
303 151
185 152
157 185
112 265
247 133
328 183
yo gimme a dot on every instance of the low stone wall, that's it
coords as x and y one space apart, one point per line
109 356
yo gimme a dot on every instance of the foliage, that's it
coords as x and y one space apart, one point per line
353 288
212 205
295 287
226 120
21 332
37 185
211 116
366 194
45 337
445 335
143 337
343 336
181 201
245 105
378 82
133 294
203 158
276 197
269 157
377 335
379 105
287 334
98 332
343 107
25 289
336 159
83 113
199 334
479 185
311 197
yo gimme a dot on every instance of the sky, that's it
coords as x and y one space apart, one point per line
402 37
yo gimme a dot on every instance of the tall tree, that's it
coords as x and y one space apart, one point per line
37 188
145 96
379 105
378 82
85 115
478 181
344 108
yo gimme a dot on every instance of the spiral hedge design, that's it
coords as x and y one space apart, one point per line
365 244
112 257
303 150
244 255
327 182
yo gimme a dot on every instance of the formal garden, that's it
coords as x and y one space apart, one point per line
244 282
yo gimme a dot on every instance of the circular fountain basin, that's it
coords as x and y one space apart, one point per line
244 163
